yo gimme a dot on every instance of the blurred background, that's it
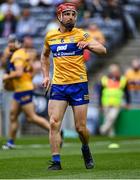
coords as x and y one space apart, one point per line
114 23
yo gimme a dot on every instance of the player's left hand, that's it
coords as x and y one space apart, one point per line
46 83
82 44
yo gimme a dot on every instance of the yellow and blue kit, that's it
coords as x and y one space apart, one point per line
23 86
69 65
133 84
133 79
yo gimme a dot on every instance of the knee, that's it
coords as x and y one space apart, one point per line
54 122
30 118
80 129
13 116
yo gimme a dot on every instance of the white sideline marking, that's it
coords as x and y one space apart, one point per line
100 143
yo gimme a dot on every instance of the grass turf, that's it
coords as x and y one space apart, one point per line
30 159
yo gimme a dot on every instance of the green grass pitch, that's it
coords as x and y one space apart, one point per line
30 159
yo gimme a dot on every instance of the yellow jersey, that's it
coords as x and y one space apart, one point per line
23 83
68 60
98 36
133 79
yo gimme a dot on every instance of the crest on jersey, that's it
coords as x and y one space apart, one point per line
62 40
86 35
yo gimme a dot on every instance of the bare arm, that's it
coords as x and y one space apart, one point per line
45 65
14 74
6 55
93 46
97 47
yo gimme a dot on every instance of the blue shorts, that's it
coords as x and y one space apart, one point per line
23 97
74 94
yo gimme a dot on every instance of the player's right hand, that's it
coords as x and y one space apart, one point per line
46 82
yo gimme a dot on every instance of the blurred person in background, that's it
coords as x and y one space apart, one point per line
8 24
114 11
41 2
6 56
38 76
9 50
52 25
82 10
20 75
26 24
6 94
133 82
44 2
69 84
96 8
96 33
113 87
93 119
10 5
29 47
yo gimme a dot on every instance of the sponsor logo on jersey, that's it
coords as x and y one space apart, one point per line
61 48
69 49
